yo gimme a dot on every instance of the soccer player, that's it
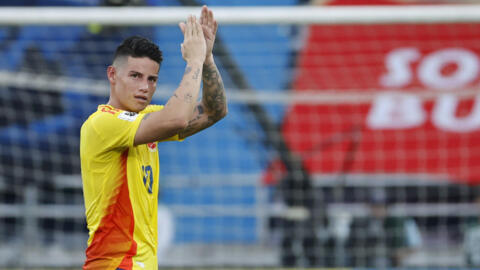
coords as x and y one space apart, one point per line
118 143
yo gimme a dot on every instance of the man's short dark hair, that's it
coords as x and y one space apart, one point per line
137 46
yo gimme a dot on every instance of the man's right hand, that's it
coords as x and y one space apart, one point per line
180 108
193 46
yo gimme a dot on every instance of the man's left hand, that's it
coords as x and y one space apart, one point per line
209 26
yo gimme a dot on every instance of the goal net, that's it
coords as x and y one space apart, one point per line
352 138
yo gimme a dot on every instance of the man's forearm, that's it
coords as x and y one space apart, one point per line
213 97
178 111
186 94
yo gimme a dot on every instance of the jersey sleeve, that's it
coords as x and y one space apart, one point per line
117 130
152 108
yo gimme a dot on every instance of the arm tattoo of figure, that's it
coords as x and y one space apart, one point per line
146 116
213 91
196 123
188 69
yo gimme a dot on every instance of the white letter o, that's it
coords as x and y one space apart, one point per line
430 69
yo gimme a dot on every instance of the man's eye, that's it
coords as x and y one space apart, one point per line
134 75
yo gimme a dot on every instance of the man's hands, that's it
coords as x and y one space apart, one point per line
209 28
183 114
194 45
213 105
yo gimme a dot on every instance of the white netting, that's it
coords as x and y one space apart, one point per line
330 109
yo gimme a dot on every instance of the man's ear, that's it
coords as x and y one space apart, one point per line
111 74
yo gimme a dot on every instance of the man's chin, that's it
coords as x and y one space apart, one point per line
138 108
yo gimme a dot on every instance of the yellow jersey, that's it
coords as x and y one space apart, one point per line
120 188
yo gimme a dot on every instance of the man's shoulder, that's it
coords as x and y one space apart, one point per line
106 113
107 118
102 112
113 127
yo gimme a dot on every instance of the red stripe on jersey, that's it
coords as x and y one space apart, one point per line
113 240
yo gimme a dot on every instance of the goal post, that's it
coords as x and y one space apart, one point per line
331 108
298 15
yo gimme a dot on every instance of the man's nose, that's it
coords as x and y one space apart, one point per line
143 85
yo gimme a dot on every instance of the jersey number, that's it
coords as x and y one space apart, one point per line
148 176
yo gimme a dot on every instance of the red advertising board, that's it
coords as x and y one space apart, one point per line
397 132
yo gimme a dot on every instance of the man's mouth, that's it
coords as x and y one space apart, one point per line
142 98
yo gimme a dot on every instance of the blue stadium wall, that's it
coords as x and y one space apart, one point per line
62 51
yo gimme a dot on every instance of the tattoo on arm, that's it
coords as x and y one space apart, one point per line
213 91
198 123
188 98
195 76
200 109
214 103
146 116
174 96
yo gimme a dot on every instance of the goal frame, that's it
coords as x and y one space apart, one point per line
299 15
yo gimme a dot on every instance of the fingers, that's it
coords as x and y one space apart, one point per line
203 15
195 26
206 31
182 27
189 28
198 29
215 27
206 17
194 47
192 28
185 28
191 22
210 18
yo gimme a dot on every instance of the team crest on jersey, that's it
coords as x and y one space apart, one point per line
152 146
129 116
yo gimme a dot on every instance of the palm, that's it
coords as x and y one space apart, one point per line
209 26
209 38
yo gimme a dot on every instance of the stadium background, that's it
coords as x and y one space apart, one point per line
224 191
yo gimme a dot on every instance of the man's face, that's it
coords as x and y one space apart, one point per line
133 82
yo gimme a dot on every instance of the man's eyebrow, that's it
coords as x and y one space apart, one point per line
154 76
